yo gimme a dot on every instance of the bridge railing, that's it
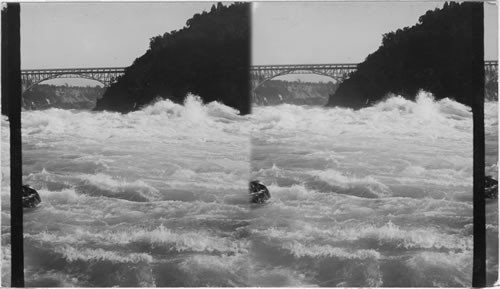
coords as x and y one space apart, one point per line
253 67
74 70
304 66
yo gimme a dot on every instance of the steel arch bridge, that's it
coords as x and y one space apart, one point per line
262 73
490 67
258 73
105 75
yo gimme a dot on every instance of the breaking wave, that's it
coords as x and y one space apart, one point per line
374 197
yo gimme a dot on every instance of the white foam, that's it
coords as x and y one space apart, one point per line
73 254
302 250
337 178
177 241
109 183
397 237
199 241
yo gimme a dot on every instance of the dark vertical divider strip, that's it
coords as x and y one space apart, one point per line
249 75
479 259
5 64
11 77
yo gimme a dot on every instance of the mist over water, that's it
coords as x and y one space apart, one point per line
158 197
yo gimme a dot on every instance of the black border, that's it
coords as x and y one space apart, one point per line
11 100
478 202
11 91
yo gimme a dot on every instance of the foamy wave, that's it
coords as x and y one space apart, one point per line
273 171
107 182
192 110
300 250
73 254
223 262
55 278
336 178
426 238
228 270
272 276
117 187
6 265
52 121
388 234
438 267
220 111
445 177
424 108
161 119
6 253
181 241
294 192
60 197
213 180
394 117
199 241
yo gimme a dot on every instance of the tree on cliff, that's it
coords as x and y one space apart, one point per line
209 57
439 54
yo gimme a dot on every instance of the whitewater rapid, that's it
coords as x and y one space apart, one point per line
158 197
376 197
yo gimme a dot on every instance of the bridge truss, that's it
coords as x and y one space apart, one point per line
491 67
105 75
261 73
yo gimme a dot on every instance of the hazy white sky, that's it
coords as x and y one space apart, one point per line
337 32
59 35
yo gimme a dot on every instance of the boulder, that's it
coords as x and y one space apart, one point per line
258 193
31 198
490 188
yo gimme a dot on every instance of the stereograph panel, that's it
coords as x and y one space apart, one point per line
274 144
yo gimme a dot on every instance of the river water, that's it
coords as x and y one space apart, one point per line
158 197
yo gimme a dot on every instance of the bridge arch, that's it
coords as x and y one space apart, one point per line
259 81
29 86
337 72
106 76
258 74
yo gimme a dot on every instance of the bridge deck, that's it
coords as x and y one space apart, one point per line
304 66
252 68
74 70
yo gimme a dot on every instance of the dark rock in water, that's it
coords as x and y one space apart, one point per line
31 198
490 188
258 193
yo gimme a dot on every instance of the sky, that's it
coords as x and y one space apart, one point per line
107 34
67 35
338 32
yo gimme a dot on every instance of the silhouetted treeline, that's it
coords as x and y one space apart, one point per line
44 96
209 57
440 54
273 92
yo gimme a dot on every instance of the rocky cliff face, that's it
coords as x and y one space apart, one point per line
68 97
275 92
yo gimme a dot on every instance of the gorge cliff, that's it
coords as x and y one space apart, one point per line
441 54
209 57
